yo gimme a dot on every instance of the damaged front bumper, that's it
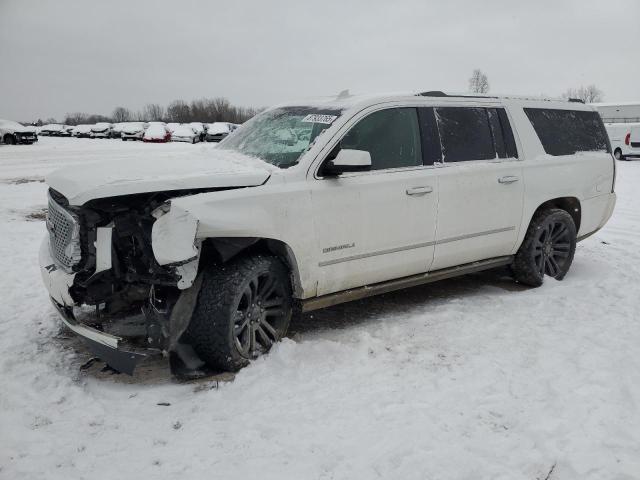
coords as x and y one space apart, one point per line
105 346
167 317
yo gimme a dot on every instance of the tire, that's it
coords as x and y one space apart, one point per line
618 154
243 308
548 248
9 139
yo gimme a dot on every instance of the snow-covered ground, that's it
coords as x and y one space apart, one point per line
472 378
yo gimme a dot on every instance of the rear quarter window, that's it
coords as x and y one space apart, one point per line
565 132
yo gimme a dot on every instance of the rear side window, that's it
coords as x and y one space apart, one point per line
392 137
465 134
565 132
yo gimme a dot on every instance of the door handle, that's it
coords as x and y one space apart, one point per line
508 179
419 190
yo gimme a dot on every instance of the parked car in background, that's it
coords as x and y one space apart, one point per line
116 130
132 131
82 131
156 132
200 130
101 130
12 133
218 130
620 136
51 129
185 133
357 197
66 131
171 126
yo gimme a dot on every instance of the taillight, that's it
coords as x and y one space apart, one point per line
627 139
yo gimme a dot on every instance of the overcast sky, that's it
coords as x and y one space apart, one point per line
90 56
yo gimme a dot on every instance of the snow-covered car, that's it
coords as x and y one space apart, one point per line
313 204
12 133
157 133
101 130
171 126
200 130
116 129
66 131
219 130
82 131
51 130
185 133
132 131
620 137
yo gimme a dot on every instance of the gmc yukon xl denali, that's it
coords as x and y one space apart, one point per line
311 204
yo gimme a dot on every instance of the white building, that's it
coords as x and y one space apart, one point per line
621 112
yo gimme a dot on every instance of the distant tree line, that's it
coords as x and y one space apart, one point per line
203 110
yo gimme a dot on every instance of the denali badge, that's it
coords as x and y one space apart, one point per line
338 247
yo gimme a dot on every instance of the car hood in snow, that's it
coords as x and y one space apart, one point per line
155 173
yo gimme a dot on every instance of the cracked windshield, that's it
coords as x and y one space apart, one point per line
280 136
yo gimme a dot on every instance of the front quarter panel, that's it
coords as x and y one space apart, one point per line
281 211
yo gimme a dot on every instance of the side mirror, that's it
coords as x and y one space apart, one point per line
347 161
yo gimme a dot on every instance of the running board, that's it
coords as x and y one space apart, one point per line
324 301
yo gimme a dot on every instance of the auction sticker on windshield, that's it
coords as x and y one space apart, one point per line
318 118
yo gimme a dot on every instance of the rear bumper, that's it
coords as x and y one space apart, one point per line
216 137
26 139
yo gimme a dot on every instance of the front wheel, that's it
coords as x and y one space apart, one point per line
9 139
548 248
243 308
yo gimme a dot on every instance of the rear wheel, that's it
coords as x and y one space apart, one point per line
618 154
243 308
547 249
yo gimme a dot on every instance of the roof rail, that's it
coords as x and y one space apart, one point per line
439 93
432 93
576 100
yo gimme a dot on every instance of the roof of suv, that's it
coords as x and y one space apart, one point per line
345 101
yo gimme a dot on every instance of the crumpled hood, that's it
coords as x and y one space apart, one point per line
156 172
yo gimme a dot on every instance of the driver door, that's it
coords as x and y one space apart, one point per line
380 224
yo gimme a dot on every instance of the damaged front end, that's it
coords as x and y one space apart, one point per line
118 257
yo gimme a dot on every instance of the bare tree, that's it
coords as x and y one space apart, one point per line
478 83
588 94
179 111
78 117
121 114
153 112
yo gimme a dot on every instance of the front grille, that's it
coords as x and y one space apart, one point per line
64 235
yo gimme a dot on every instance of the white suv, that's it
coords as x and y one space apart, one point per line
313 204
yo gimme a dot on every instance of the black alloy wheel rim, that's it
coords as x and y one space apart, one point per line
260 316
552 248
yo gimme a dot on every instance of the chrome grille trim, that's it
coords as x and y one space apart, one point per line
64 236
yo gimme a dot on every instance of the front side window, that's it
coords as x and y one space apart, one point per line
465 134
565 132
392 138
280 136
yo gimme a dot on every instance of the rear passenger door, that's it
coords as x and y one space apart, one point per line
480 186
